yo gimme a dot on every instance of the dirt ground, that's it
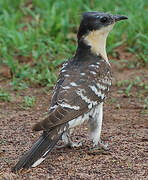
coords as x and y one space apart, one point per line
125 129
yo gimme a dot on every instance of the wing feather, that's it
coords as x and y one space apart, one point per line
76 94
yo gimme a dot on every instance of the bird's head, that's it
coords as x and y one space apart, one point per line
95 27
95 21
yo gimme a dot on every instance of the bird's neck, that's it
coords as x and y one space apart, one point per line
97 42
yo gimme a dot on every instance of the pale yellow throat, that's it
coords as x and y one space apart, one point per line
97 41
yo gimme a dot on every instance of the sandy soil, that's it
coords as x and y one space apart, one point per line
125 129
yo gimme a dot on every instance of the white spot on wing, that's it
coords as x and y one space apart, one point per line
63 70
69 106
92 72
52 107
73 84
84 98
66 87
100 86
92 65
98 93
95 90
64 65
90 106
66 75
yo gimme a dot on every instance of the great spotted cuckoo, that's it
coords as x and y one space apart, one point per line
82 87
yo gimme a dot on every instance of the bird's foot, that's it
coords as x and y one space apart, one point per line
76 144
70 145
102 145
62 146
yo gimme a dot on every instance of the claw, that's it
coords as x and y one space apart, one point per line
104 145
62 146
76 144
101 144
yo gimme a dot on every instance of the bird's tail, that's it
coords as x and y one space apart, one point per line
38 151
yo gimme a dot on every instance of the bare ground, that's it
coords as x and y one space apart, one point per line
125 128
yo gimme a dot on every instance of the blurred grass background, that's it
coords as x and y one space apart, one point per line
36 36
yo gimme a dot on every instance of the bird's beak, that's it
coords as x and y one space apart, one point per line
119 17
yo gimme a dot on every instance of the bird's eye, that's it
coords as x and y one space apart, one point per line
103 19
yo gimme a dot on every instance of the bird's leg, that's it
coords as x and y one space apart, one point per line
95 126
67 141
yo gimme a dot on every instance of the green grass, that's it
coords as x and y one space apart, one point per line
4 95
139 88
29 101
137 83
36 36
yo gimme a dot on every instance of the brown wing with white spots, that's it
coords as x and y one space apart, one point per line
78 90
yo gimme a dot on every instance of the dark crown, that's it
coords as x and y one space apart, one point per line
94 21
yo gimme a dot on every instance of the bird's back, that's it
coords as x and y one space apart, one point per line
83 84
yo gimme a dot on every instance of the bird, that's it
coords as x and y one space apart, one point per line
83 84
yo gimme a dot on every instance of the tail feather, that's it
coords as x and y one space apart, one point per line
38 151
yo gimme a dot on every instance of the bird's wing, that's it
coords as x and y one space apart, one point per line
78 90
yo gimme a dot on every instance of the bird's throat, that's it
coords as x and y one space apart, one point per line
97 41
